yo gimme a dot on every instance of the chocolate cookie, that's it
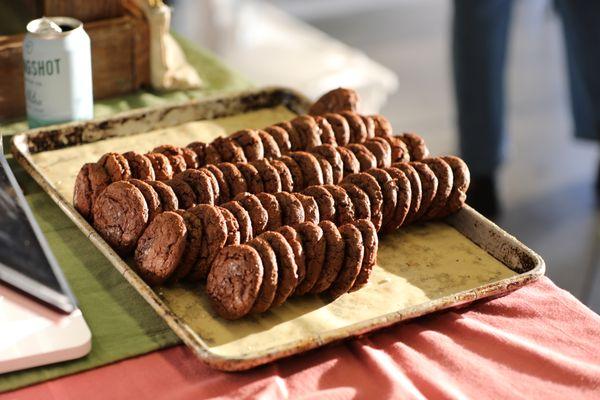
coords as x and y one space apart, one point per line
252 177
382 125
324 200
175 156
185 195
340 128
236 182
296 171
212 154
168 199
308 129
167 150
326 131
243 219
190 157
444 175
370 245
281 137
344 209
271 148
313 243
151 197
219 183
193 245
285 175
214 237
91 180
365 158
389 191
292 212
404 198
370 186
326 169
140 166
233 227
462 179
234 282
161 247
269 176
286 266
251 143
360 200
416 146
116 166
229 150
200 184
120 215
329 153
369 125
429 184
270 203
336 100
333 259
416 191
291 235
311 209
311 170
268 287
382 151
295 139
349 160
399 150
258 214
200 149
358 131
353 258
161 165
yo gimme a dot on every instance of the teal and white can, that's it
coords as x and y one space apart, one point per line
58 71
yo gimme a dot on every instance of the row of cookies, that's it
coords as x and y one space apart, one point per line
120 205
159 165
216 184
389 198
308 258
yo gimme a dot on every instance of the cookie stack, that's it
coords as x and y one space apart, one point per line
307 258
175 167
389 198
218 183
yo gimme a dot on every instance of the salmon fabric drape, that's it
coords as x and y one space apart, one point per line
538 342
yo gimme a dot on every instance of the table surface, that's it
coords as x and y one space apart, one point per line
538 342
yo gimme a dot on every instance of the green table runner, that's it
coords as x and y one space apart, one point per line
122 323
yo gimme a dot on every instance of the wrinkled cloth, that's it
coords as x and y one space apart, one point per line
538 342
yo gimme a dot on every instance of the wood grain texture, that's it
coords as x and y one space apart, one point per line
83 10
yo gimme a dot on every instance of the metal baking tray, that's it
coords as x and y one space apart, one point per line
421 269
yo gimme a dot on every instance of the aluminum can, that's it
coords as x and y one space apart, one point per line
58 71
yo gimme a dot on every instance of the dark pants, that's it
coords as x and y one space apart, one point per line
480 37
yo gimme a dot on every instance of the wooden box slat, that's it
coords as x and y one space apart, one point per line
83 10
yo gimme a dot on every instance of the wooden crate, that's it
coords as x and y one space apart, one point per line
120 62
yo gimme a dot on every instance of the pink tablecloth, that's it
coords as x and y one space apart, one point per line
539 342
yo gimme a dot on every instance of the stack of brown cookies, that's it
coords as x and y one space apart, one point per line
291 261
202 211
219 183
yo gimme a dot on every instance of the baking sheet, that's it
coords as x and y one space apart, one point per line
420 269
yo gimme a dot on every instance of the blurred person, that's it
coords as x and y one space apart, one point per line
480 38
